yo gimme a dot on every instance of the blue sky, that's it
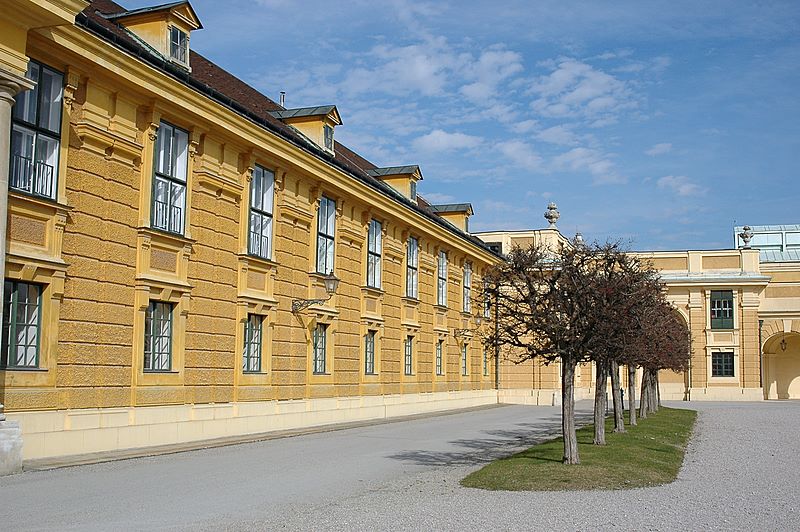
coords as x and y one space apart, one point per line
659 123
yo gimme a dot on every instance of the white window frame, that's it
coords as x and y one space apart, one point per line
320 349
374 253
35 146
178 48
412 268
253 343
441 279
466 303
326 235
157 356
170 168
262 200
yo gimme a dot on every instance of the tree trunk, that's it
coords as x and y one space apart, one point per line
600 402
652 396
632 393
645 395
616 394
658 393
568 413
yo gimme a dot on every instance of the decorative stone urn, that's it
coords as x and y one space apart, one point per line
552 215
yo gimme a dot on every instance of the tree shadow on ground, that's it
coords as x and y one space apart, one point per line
496 444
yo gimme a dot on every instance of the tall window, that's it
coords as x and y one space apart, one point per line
409 355
169 183
36 133
466 303
412 268
251 359
369 353
722 309
178 44
722 364
464 360
374 249
320 348
439 348
328 132
487 302
441 279
485 362
413 191
326 227
158 337
22 318
262 189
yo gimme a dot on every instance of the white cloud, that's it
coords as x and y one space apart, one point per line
659 149
436 197
594 161
561 134
524 126
492 67
521 154
576 89
438 140
681 185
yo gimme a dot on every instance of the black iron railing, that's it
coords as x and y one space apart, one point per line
33 177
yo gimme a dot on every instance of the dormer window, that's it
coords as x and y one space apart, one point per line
165 29
328 137
178 45
401 178
314 123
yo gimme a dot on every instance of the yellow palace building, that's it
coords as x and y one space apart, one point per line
741 305
187 259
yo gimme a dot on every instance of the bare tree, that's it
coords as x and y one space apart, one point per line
546 309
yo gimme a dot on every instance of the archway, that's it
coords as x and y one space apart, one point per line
674 385
782 366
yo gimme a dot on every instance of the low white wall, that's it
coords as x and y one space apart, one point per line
48 434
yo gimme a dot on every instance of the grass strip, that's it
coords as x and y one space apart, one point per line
648 454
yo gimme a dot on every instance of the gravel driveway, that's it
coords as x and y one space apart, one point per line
742 472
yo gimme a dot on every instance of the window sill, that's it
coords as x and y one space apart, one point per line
160 372
373 290
263 260
40 200
254 372
440 307
410 300
23 368
153 231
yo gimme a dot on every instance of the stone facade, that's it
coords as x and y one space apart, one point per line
94 250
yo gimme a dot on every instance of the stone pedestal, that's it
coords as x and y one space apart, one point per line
10 448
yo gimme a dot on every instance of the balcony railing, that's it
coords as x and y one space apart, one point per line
33 177
167 217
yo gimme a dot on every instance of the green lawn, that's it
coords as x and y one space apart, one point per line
647 455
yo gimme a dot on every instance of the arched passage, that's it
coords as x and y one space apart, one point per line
782 366
674 385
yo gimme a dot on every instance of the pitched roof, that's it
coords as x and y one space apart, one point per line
320 110
453 207
395 170
154 9
233 93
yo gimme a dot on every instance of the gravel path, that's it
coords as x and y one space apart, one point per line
742 472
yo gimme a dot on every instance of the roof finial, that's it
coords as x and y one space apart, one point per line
552 215
746 235
579 242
